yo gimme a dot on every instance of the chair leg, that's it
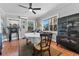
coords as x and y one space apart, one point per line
18 35
33 53
26 41
41 53
49 53
57 44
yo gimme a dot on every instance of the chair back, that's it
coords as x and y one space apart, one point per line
46 39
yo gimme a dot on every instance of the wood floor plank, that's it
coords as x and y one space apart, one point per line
11 48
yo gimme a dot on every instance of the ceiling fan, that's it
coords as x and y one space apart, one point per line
30 8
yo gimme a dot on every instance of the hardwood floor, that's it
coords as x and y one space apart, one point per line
64 51
12 48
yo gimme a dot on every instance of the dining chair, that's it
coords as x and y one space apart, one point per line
44 44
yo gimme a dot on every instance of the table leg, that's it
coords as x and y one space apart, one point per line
26 41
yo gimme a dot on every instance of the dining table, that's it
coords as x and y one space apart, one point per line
33 37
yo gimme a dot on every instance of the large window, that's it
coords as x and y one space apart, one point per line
46 25
50 24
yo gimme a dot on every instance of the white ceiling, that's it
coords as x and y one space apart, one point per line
14 9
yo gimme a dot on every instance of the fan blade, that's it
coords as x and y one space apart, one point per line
30 5
36 8
23 6
34 12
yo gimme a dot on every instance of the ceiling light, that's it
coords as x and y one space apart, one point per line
30 9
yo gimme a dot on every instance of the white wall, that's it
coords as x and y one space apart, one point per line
62 10
70 9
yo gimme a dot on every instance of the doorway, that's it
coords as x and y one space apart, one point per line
6 30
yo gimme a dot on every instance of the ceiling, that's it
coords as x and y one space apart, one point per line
14 9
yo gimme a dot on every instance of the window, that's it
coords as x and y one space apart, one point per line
46 25
50 24
31 26
53 24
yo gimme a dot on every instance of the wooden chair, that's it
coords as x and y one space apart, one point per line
44 45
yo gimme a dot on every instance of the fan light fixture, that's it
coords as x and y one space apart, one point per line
30 10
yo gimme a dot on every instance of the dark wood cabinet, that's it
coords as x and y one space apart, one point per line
68 32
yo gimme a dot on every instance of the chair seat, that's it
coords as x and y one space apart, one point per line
44 47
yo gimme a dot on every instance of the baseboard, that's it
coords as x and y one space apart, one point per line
12 39
54 40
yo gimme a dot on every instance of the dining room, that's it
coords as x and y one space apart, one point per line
37 29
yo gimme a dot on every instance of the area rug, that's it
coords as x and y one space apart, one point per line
26 50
